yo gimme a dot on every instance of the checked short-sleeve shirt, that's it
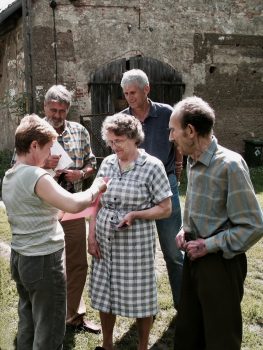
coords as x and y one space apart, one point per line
123 281
75 140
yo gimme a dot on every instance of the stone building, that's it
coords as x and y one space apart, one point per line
213 49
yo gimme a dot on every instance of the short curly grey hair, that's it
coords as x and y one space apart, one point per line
123 124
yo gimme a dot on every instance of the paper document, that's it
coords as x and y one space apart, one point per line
65 161
86 213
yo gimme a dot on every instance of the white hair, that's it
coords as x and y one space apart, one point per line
135 76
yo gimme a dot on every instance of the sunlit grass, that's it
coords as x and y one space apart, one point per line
125 335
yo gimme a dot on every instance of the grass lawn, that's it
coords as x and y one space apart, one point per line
162 332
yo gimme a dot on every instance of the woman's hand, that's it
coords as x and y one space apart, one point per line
94 248
127 220
100 183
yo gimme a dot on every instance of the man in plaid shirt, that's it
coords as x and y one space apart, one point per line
75 140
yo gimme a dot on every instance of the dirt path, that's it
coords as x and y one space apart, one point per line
5 250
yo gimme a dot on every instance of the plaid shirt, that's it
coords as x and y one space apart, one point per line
221 205
75 140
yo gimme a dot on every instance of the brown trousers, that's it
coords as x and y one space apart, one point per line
209 314
76 267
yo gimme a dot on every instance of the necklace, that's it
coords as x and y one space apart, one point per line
127 167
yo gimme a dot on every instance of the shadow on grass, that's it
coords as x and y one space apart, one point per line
129 340
15 343
69 340
166 342
68 343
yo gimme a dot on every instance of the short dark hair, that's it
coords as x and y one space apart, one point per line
195 111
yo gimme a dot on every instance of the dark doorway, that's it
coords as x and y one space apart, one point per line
107 97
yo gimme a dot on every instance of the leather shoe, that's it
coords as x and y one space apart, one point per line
87 326
99 348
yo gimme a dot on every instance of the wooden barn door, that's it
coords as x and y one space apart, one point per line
107 97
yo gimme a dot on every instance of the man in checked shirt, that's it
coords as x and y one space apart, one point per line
222 219
75 140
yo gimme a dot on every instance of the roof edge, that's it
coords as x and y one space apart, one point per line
10 10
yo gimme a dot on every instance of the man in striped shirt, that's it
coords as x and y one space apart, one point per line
222 219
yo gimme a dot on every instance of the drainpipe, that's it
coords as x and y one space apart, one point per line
53 5
29 76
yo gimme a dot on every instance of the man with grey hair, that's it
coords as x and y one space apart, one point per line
222 219
75 140
155 120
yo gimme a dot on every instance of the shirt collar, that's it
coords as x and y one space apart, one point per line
206 157
152 110
139 161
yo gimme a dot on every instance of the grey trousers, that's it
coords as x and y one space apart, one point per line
41 287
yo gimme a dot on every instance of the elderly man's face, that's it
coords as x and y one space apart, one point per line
179 136
56 113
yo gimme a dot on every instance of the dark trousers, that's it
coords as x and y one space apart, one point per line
209 315
40 282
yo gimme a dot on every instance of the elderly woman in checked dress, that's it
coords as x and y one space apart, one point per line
123 245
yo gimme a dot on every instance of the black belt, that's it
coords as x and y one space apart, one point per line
190 236
172 172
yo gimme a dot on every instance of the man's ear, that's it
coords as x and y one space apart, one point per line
146 89
190 130
34 144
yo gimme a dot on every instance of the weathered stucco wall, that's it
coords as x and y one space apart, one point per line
215 45
233 84
11 82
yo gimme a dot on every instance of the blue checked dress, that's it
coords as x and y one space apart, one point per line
123 281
